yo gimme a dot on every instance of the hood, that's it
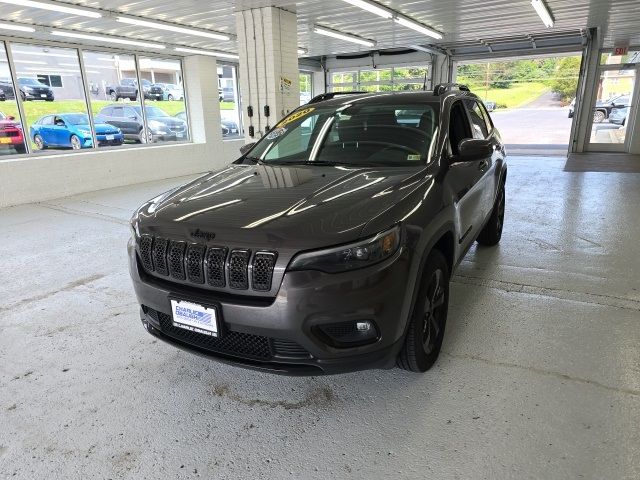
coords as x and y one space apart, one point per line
170 122
300 207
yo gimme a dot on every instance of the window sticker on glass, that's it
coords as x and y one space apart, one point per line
296 116
413 157
275 133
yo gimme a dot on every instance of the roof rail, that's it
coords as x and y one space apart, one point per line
443 87
329 95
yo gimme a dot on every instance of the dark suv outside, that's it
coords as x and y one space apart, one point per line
329 245
32 89
128 118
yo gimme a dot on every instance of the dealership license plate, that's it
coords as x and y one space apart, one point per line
110 137
5 140
43 95
194 317
179 135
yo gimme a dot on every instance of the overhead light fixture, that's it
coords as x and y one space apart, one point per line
17 28
344 36
302 51
418 27
371 7
173 28
210 53
54 7
543 12
104 38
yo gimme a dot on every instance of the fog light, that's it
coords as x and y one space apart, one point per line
351 333
363 326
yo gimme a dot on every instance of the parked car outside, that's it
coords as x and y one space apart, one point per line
72 130
32 89
7 87
329 244
603 108
127 88
227 94
3 97
491 106
11 136
572 107
128 118
171 91
618 115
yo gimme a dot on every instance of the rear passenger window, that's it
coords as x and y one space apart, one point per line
478 123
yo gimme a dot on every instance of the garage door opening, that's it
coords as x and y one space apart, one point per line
532 99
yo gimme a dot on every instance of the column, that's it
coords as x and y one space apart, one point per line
269 82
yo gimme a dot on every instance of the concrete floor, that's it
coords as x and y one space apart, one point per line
539 375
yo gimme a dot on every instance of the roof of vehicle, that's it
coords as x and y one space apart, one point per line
389 98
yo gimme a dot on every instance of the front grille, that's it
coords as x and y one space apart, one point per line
262 271
238 269
231 343
214 266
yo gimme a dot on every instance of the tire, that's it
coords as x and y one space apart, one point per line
21 148
39 142
492 231
144 136
76 144
114 96
424 336
23 97
170 98
599 116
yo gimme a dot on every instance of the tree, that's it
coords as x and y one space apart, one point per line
565 79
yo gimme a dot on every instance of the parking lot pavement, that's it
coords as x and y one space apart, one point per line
538 377
533 125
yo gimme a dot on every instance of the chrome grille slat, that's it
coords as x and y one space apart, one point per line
215 266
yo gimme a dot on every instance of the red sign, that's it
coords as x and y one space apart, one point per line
620 51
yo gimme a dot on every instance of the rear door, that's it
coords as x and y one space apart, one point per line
464 178
47 131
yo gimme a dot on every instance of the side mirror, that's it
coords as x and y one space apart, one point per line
245 148
473 149
11 117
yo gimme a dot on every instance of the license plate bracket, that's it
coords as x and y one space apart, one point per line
196 317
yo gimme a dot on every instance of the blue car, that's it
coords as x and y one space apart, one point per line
72 130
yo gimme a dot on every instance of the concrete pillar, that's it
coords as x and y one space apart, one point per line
268 49
201 87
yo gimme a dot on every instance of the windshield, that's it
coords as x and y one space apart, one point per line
31 81
352 134
77 119
152 112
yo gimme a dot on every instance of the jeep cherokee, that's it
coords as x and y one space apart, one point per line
329 244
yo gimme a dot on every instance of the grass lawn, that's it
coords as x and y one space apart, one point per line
516 96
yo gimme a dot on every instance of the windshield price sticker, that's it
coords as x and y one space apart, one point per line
296 116
276 132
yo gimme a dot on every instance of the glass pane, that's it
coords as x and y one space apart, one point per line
305 88
409 73
52 91
229 104
632 56
164 100
615 90
11 135
112 84
408 86
343 77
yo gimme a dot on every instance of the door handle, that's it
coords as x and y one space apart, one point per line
483 164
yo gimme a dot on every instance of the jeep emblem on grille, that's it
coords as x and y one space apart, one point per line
208 236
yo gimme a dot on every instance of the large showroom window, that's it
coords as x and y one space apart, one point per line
44 104
11 133
113 95
228 95
165 109
381 79
52 92
306 87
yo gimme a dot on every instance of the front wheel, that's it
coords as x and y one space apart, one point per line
170 98
426 329
39 142
76 144
492 231
144 136
114 96
599 116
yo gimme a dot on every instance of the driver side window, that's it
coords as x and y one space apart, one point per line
459 128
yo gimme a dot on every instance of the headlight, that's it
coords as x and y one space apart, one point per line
159 127
29 89
84 132
350 257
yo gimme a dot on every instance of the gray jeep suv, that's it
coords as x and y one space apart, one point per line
329 245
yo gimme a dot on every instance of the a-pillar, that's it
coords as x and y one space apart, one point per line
269 76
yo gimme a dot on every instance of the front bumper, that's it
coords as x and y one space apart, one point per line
304 301
38 96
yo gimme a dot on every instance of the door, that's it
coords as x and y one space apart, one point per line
463 178
47 131
132 123
613 108
59 132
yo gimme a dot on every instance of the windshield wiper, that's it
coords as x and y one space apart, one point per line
311 162
254 160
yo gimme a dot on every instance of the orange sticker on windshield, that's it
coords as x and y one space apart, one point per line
296 116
